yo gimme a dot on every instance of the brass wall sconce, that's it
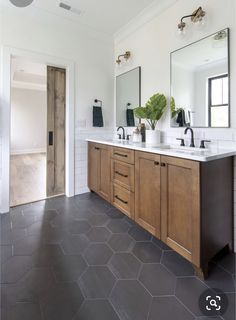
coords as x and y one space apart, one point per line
126 56
197 16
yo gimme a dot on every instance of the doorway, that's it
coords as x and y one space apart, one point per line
37 153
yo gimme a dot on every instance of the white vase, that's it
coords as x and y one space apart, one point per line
153 137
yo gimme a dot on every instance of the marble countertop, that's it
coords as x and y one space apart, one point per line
195 154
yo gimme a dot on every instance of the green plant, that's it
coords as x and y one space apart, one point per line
153 110
174 110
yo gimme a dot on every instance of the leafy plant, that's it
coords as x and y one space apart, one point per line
174 110
153 110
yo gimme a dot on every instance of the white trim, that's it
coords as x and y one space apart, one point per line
27 151
148 14
5 94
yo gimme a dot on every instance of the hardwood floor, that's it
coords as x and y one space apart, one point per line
28 178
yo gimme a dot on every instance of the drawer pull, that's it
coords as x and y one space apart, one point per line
118 198
121 174
121 155
156 163
96 148
163 164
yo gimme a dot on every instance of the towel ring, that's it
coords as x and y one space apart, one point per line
98 101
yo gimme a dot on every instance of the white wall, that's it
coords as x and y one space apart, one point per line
28 121
92 53
150 46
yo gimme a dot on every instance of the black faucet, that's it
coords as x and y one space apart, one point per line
123 137
192 136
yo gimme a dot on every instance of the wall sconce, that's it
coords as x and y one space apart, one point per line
126 56
196 17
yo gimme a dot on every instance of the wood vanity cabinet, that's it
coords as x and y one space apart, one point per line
148 192
122 180
187 204
99 169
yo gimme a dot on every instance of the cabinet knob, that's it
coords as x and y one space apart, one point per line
156 163
163 164
96 148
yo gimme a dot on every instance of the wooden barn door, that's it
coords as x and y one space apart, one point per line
56 83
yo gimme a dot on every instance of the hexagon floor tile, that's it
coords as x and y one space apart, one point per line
82 259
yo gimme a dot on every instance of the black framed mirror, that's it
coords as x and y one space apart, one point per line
200 83
128 97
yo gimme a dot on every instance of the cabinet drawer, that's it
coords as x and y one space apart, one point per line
123 199
123 154
123 174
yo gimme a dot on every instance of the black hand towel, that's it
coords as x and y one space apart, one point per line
97 117
130 118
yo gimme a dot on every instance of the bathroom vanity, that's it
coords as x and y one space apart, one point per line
182 197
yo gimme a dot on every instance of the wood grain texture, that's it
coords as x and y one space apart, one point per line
28 178
122 154
123 199
122 173
99 169
180 203
56 124
147 192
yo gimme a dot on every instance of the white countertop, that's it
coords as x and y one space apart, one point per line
196 154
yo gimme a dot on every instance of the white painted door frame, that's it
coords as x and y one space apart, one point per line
5 115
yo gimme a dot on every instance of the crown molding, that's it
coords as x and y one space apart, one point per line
148 14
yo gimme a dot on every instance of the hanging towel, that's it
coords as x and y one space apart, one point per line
181 118
130 117
97 117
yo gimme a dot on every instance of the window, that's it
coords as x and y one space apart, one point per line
218 101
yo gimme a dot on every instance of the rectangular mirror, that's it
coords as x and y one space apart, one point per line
200 83
128 97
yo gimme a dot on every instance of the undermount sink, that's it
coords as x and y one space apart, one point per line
179 149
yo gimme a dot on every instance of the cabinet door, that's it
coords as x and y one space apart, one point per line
180 203
147 191
104 174
93 166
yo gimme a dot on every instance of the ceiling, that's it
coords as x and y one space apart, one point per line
28 75
106 16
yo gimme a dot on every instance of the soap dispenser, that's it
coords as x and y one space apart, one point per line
137 136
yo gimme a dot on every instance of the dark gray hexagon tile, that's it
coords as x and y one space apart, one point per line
147 252
98 220
157 280
12 236
26 311
230 313
16 293
188 291
139 234
35 284
124 266
74 244
63 302
177 264
15 268
68 269
99 207
121 242
26 246
114 213
166 308
97 282
21 221
161 244
118 226
46 254
220 279
96 310
38 228
5 253
79 227
98 234
98 254
130 300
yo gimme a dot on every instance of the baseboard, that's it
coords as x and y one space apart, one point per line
28 151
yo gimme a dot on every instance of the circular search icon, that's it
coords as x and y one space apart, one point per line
213 302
